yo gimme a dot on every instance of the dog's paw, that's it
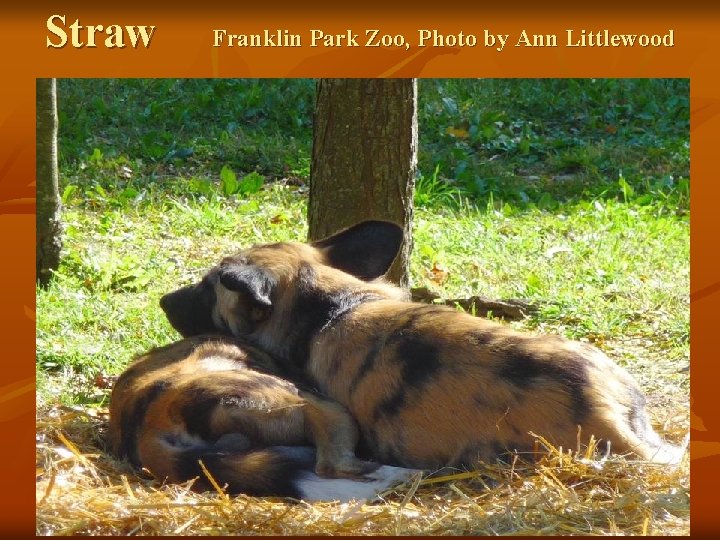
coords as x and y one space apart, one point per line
353 468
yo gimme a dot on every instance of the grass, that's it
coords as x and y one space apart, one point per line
606 272
533 141
571 194
529 142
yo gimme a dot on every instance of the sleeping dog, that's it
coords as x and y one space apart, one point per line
428 386
213 407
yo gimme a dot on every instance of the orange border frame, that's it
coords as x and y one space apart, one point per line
182 47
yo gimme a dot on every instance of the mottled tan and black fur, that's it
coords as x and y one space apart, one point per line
215 399
429 386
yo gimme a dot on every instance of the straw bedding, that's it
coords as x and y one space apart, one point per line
81 489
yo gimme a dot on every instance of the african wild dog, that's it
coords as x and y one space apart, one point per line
215 400
429 386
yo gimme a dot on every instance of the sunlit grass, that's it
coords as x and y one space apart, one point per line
602 271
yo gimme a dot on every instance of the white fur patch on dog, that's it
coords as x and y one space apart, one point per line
218 363
314 488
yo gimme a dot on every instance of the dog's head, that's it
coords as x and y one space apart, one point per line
241 293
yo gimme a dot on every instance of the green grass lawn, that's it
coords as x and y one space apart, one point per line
605 271
572 194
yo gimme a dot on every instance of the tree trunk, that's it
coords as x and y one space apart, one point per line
364 158
48 241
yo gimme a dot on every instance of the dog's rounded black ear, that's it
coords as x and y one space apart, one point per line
256 283
189 309
366 250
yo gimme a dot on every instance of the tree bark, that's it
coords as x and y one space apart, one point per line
48 241
364 158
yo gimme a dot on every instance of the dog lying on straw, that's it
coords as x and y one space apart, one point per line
427 385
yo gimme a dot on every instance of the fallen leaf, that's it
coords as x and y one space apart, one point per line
438 274
105 381
460 133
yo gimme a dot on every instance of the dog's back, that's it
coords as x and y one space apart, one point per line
430 386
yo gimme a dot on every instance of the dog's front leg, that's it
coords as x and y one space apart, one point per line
334 432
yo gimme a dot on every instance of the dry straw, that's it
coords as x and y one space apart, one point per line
83 490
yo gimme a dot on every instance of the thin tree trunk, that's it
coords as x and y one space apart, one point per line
48 231
364 158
